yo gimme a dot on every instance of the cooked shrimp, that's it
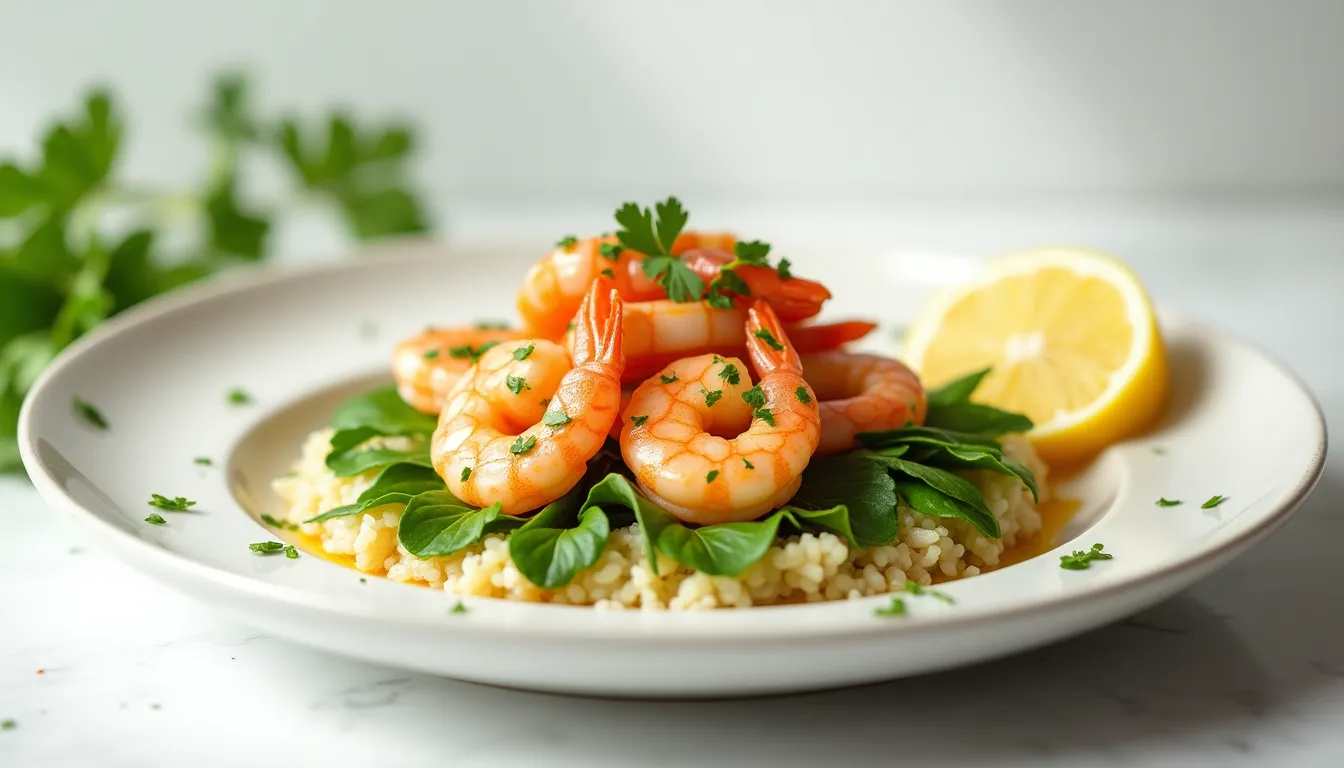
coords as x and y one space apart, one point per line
861 393
659 332
674 435
520 427
427 365
554 286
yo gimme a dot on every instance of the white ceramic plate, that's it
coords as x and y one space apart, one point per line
294 340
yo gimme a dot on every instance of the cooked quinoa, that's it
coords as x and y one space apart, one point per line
805 568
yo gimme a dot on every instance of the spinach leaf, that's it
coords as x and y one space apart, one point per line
859 484
616 489
550 557
926 436
834 520
383 412
396 483
962 458
348 456
941 480
957 391
437 523
985 420
928 500
726 549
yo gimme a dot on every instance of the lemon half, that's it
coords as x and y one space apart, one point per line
1073 341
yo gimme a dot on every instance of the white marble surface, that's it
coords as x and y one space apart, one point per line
100 666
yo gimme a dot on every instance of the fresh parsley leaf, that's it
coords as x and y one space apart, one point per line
667 378
677 279
769 339
204 461
274 522
803 395
238 396
637 230
555 418
610 252
266 547
747 464
522 353
1165 502
466 473
755 253
8 724
567 242
712 397
641 233
522 445
89 414
1081 560
671 220
177 504
291 552
516 384
608 274
719 300
754 397
730 374
470 353
785 271
895 608
764 414
915 588
458 608
638 421
430 354
1213 502
709 478
155 519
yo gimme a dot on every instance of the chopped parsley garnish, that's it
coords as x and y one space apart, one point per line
765 415
610 251
430 354
567 242
522 353
491 325
638 421
769 339
204 461
266 547
8 725
91 415
667 378
654 238
1213 502
747 464
897 608
458 607
363 580
277 523
466 472
728 282
1081 560
555 418
607 273
784 271
177 504
516 384
718 359
804 396
291 552
522 444
754 252
730 374
709 478
239 396
915 588
155 519
754 397
470 353
712 397
1164 502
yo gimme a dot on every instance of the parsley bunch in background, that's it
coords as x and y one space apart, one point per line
78 244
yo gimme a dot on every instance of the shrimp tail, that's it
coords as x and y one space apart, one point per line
824 336
598 329
768 344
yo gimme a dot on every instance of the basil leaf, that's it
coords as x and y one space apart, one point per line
957 391
396 483
984 460
384 412
550 557
347 457
930 501
984 420
861 485
834 520
437 523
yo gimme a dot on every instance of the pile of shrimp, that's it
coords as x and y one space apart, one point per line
603 354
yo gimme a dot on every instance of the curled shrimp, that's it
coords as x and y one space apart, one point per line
554 286
675 434
427 365
861 393
520 427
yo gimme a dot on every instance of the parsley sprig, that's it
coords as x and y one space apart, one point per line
1081 559
652 233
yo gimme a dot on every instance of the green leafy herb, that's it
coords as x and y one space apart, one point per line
352 454
380 413
155 519
755 253
803 395
654 238
516 384
712 397
765 414
764 335
470 353
864 487
667 378
555 418
436 523
204 461
638 421
747 464
1164 502
522 353
915 588
937 492
430 354
522 444
709 478
384 412
730 374
754 397
1081 560
265 547
950 408
466 473
550 556
607 273
8 724
785 273
291 552
610 251
895 608
177 504
458 608
278 523
397 483
91 415
957 391
567 242
239 397
1213 502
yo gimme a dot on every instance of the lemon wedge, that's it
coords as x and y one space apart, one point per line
1072 339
